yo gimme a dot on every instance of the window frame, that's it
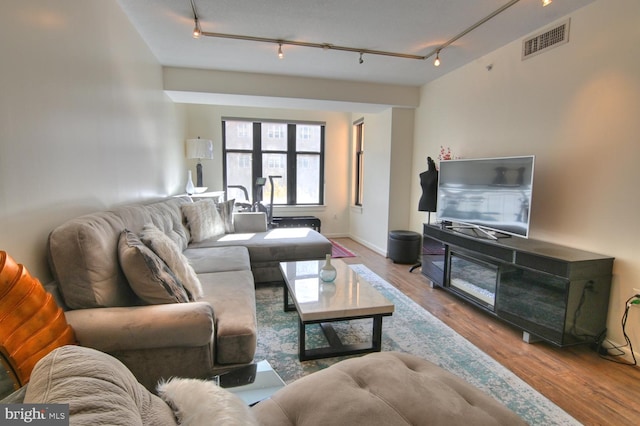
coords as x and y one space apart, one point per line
291 156
358 185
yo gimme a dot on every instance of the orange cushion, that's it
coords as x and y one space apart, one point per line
31 323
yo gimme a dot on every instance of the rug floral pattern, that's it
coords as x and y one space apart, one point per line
411 329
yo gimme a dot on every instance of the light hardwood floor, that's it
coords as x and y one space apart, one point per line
593 390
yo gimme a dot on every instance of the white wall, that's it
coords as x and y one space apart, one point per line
388 146
368 224
400 173
206 121
84 123
576 108
185 84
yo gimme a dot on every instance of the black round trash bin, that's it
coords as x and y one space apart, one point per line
404 246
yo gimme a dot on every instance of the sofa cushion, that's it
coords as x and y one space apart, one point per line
167 216
83 258
203 220
248 222
282 245
232 295
83 251
218 259
225 209
99 389
149 277
387 388
171 254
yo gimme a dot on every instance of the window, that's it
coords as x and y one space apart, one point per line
359 162
292 153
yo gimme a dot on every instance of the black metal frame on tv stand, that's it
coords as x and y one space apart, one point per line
551 292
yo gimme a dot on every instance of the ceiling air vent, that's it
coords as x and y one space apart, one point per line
546 40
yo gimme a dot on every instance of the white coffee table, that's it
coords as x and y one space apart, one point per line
349 297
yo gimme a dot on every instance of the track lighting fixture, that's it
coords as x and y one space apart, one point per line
281 42
197 32
546 2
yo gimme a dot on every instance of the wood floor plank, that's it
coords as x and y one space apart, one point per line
591 389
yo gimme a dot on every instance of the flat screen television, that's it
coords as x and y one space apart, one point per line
487 193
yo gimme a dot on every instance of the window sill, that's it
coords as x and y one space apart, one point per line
297 210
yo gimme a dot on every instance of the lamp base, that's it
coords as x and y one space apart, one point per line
199 174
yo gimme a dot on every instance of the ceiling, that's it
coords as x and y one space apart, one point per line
405 26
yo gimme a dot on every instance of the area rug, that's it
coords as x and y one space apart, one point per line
338 251
410 329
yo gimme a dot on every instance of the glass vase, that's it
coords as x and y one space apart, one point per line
190 188
328 271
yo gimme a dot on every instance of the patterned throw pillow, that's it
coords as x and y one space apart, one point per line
149 277
169 251
203 220
225 209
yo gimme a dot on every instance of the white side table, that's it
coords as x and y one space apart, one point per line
217 196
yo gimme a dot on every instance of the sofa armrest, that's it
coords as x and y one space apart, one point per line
144 327
250 222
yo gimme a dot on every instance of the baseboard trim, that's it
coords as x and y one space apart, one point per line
367 244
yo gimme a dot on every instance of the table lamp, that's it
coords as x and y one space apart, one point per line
199 148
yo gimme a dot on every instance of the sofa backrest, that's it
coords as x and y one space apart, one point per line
83 252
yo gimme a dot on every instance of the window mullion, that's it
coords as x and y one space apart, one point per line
291 165
256 158
224 158
321 171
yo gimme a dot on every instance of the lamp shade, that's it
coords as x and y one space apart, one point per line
200 148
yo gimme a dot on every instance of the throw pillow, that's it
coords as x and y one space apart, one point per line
203 220
169 251
149 277
31 322
201 402
225 209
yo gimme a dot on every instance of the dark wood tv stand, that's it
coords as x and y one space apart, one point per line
554 293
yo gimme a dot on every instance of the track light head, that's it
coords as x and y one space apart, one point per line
280 53
436 63
361 61
196 29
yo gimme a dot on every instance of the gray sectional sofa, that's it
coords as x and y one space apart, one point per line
194 339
